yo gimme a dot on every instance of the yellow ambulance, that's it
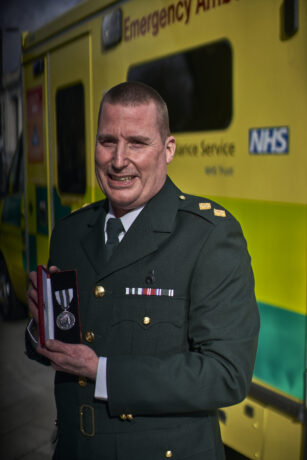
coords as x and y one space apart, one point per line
233 73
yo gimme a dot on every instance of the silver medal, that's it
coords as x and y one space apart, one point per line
65 320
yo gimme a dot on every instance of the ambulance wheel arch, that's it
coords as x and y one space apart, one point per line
10 307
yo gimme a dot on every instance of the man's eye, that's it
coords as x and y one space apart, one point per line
108 142
137 143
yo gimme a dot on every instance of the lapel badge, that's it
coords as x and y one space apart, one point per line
150 278
219 212
204 206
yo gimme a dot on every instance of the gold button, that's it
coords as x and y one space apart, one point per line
99 291
181 197
123 416
129 417
82 381
168 454
146 320
89 336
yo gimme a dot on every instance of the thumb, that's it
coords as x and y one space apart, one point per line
55 345
54 269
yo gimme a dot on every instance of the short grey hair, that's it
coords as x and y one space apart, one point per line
136 93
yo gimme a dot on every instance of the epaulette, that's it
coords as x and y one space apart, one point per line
205 208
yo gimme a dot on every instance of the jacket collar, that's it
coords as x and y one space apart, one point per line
150 229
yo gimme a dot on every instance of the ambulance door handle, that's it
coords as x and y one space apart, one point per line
42 217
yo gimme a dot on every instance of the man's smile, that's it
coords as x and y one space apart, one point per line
121 178
121 181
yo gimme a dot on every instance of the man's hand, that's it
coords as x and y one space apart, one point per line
32 296
75 359
70 358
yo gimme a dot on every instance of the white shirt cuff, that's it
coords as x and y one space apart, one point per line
101 390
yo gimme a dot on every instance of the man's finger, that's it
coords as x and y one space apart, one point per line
58 346
33 279
32 298
32 295
54 269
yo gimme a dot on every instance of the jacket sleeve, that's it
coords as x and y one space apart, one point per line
30 349
223 326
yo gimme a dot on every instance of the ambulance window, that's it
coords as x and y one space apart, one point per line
71 139
195 84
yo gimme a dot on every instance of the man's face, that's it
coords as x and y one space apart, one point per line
130 155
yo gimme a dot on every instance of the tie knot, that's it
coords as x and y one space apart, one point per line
114 228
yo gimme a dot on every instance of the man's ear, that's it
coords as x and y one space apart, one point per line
170 145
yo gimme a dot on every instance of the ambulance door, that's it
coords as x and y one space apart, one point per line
38 215
12 242
71 134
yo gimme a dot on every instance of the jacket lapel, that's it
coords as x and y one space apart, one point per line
93 241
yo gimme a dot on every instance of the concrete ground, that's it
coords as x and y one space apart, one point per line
27 409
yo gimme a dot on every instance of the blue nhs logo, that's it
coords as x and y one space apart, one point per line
269 140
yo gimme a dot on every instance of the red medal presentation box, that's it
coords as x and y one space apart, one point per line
58 306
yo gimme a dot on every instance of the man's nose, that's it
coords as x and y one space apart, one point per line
120 157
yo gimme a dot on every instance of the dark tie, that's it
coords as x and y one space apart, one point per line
114 228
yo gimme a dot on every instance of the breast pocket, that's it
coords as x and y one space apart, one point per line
142 325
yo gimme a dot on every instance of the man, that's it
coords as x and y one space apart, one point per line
169 320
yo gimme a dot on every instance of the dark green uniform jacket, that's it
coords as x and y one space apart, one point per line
174 357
